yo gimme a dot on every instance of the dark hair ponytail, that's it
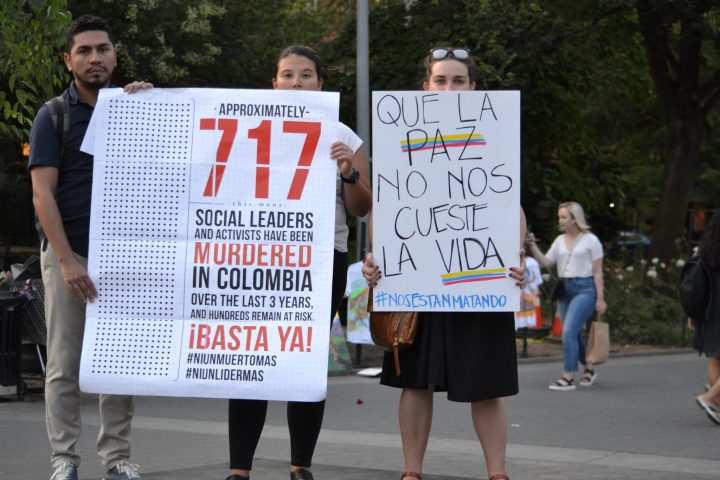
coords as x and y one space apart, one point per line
303 51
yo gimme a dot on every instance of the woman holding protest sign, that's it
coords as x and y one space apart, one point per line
299 67
469 355
578 255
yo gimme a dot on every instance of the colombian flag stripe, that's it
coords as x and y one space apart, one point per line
433 145
474 279
457 140
473 276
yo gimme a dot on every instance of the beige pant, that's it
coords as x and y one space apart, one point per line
65 319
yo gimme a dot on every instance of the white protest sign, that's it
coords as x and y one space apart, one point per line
211 244
446 200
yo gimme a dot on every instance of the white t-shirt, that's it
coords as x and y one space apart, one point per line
530 295
349 138
587 249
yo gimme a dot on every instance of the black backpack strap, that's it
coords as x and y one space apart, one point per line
60 115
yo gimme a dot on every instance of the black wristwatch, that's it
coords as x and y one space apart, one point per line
353 179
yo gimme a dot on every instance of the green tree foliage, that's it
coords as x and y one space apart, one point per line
595 122
31 70
588 127
259 30
209 43
166 42
619 97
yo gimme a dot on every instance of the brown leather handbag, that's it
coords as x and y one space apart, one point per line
393 330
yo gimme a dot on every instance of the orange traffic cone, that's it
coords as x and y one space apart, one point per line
557 327
538 314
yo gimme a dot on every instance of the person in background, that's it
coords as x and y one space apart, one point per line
62 187
707 331
527 317
300 68
578 254
470 355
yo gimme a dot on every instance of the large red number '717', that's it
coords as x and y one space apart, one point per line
261 134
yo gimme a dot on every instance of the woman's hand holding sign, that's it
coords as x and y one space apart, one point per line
343 155
370 271
518 273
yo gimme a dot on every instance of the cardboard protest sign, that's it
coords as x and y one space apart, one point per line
211 243
358 318
446 200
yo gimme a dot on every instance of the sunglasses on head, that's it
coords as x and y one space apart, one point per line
443 53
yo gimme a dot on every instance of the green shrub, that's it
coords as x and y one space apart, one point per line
642 301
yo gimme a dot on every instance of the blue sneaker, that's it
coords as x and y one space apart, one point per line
65 471
123 471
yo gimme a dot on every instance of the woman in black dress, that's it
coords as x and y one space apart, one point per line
469 355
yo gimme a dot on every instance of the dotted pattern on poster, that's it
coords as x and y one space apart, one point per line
149 131
147 159
140 281
146 177
142 199
139 347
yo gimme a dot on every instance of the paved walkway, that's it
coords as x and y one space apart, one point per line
638 422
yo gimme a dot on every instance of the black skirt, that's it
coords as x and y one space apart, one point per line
469 355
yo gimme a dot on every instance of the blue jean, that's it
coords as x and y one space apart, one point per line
576 307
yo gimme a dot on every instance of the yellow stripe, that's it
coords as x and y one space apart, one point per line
459 136
472 272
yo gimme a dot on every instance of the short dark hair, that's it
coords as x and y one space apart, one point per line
85 24
303 51
428 62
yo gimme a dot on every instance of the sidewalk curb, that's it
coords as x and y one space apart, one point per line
639 353
558 358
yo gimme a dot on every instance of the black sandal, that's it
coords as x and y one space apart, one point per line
588 377
563 384
301 474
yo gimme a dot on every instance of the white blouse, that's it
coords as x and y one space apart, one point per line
586 250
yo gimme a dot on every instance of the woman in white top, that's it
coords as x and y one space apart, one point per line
578 255
299 68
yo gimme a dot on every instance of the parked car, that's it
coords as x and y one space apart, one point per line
630 241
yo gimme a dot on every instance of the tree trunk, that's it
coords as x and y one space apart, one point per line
673 38
685 134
